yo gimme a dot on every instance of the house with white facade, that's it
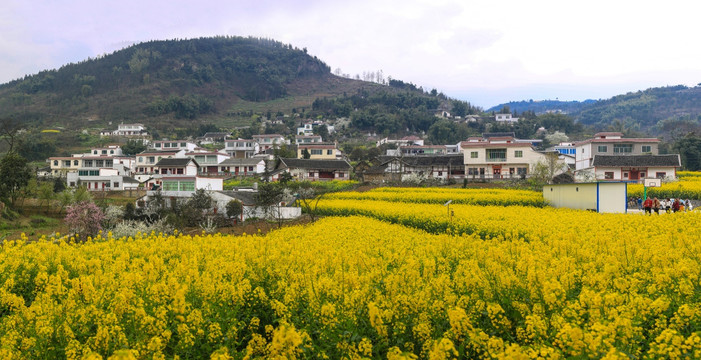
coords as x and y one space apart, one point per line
129 130
405 141
270 141
505 118
241 148
610 156
313 170
499 158
307 139
208 160
181 174
146 162
172 145
243 167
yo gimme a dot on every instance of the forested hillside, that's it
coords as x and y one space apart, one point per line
166 80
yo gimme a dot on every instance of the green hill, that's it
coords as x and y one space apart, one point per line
171 83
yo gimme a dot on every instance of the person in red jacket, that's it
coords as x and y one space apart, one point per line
647 205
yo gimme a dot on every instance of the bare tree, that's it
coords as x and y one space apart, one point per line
10 131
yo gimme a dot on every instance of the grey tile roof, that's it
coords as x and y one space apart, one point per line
241 162
316 164
175 162
636 160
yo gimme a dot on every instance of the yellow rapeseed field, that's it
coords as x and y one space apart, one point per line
492 282
441 195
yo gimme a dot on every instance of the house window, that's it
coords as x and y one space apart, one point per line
642 174
473 154
111 151
647 148
329 152
75 162
104 152
316 152
72 184
625 175
440 173
518 153
66 163
608 175
183 145
187 186
87 163
158 144
55 162
341 175
311 174
522 171
151 159
496 154
472 171
602 148
250 168
623 148
660 175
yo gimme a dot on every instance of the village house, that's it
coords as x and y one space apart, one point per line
129 130
146 162
181 174
423 150
241 148
505 118
405 141
499 158
270 141
208 160
243 167
610 156
395 168
307 139
313 170
213 138
172 145
318 151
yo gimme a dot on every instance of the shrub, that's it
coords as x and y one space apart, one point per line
84 218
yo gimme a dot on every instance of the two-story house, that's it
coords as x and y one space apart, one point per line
146 162
318 151
505 118
131 130
610 156
182 175
208 160
241 148
172 145
243 167
499 157
270 141
307 139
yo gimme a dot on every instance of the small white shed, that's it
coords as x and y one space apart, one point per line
603 197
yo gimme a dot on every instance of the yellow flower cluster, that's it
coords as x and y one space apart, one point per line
442 195
687 187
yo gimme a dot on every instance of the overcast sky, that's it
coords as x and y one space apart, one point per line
483 51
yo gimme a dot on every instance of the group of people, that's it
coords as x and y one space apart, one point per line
668 205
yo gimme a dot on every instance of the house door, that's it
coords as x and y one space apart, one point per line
497 172
634 174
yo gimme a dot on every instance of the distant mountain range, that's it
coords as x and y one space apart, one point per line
224 80
649 110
